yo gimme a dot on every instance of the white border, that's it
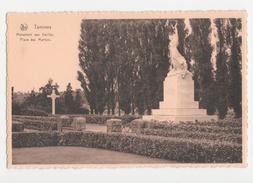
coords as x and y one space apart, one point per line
121 175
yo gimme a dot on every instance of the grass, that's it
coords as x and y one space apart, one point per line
77 155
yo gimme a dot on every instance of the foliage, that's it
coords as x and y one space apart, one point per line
43 123
17 127
203 70
235 82
208 127
38 139
69 99
179 149
16 108
222 70
38 103
32 112
123 63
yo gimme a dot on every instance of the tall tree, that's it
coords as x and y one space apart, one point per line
203 70
78 104
221 69
91 60
69 99
235 83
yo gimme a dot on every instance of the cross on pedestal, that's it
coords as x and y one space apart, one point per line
53 96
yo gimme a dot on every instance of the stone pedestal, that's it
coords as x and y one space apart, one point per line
79 123
114 125
178 104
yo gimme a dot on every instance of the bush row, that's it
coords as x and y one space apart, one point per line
229 122
32 112
141 124
236 138
38 124
93 119
178 149
32 139
43 123
17 127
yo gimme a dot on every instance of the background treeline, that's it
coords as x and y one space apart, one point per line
124 62
38 103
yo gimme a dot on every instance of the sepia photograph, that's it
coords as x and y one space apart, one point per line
127 89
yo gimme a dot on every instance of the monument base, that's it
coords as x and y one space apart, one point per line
179 104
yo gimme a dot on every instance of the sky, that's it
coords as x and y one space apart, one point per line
32 63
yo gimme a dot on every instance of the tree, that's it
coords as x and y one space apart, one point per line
235 82
78 104
69 99
203 71
42 101
221 70
91 60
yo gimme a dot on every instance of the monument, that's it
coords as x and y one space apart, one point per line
53 96
178 93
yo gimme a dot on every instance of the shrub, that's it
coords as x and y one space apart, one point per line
65 120
237 138
33 112
128 118
38 124
32 139
44 123
186 126
17 127
16 108
138 125
179 149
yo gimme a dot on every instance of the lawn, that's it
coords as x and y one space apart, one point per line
77 155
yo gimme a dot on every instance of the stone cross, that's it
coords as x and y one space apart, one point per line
53 96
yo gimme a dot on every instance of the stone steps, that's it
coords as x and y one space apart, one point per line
179 111
180 118
175 104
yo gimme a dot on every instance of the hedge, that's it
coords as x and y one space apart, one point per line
17 126
38 124
237 138
33 112
32 139
90 118
43 123
178 149
194 127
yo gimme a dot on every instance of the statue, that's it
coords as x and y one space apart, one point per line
178 62
178 92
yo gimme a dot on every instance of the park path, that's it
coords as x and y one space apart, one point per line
96 128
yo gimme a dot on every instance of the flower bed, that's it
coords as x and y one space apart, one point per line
179 149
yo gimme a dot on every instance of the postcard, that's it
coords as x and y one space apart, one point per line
127 89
